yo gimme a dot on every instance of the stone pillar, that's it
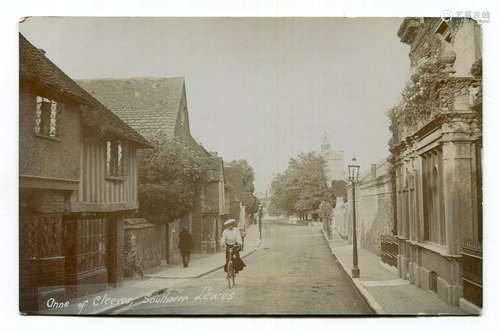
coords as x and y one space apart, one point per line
460 207
398 201
458 185
420 200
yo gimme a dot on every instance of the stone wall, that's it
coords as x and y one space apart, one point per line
142 245
375 213
373 209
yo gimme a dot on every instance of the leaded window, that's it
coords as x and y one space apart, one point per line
91 242
114 158
46 117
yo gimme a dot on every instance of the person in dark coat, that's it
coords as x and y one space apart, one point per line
185 246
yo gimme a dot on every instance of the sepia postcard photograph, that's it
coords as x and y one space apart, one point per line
251 166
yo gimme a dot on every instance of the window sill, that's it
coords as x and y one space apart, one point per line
115 178
441 250
46 136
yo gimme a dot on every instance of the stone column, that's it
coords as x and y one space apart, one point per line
458 195
458 182
420 200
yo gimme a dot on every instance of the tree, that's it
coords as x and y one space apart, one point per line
284 192
247 196
169 177
339 188
302 187
248 175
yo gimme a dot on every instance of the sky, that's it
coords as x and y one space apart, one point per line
260 89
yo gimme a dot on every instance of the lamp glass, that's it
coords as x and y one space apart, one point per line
353 170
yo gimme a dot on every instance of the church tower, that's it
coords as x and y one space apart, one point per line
334 160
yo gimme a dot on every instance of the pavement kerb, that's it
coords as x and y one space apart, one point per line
374 305
159 291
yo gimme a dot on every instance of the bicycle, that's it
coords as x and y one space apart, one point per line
231 274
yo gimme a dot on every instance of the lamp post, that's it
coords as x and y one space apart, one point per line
260 221
353 170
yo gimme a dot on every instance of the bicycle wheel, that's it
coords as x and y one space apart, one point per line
233 276
230 272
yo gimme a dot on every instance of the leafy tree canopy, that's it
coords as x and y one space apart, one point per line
248 175
249 200
169 176
302 187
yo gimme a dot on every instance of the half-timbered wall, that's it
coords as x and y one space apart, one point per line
98 191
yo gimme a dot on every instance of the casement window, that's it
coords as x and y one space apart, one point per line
114 158
91 243
47 117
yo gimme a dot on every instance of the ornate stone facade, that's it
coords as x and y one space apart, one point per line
436 156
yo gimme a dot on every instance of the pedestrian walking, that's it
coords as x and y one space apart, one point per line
185 246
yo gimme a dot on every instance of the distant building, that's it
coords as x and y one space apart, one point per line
334 159
211 207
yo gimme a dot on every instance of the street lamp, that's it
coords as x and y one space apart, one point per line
353 170
260 220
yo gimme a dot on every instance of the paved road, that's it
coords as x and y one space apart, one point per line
292 273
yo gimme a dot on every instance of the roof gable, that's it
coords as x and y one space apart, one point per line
198 148
149 105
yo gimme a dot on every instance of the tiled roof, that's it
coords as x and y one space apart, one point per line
35 67
149 105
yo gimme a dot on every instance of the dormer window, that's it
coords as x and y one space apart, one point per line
114 158
47 116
